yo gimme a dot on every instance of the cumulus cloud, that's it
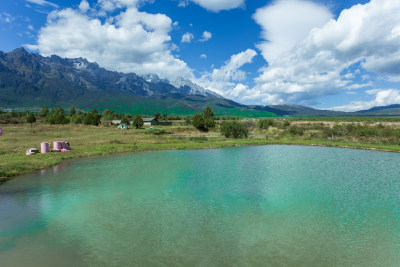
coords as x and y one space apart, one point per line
84 6
206 36
225 80
130 41
218 5
43 3
187 37
287 22
203 56
382 97
306 54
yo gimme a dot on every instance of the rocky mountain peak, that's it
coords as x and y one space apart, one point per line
154 78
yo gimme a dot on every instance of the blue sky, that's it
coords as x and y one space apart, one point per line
342 55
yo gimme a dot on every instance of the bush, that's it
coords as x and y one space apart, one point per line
108 115
294 130
159 132
31 118
234 129
44 112
286 124
188 121
56 116
265 124
125 120
203 122
91 119
199 122
78 118
72 111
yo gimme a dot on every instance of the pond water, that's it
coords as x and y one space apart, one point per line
244 206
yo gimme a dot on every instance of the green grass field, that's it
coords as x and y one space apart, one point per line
89 141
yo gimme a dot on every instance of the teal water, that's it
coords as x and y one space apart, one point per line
246 206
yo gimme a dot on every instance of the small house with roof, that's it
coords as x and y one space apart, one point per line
152 121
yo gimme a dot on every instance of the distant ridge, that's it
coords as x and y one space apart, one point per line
381 108
298 110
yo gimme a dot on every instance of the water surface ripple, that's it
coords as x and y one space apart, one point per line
245 206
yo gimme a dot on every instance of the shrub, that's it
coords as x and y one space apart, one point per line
45 110
265 124
286 124
294 130
78 118
159 132
56 116
91 119
234 129
108 115
203 122
31 118
199 123
125 120
72 111
188 121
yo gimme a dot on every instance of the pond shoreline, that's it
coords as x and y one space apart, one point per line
207 145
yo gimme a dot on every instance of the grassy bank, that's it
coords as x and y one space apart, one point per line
89 141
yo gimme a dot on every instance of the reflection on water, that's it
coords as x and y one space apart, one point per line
267 205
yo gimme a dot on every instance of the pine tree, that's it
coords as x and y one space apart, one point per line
31 119
138 121
72 111
45 110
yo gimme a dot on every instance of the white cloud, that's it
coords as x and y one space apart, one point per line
6 17
183 3
224 80
218 5
30 27
306 54
187 37
349 76
382 97
359 85
231 70
366 77
203 56
238 91
206 36
285 23
130 41
84 6
43 3
111 5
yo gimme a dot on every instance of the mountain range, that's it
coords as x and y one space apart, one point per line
29 81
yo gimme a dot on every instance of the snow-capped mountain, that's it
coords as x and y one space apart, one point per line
56 77
190 88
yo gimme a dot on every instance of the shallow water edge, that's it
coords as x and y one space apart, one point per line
215 146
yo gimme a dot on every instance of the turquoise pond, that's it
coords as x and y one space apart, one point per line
242 206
